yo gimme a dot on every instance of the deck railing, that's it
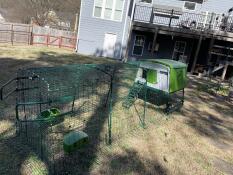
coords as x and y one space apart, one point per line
186 20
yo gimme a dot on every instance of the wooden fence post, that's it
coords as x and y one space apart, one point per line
60 41
31 38
47 41
12 34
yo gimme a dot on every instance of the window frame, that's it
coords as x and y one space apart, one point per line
93 14
190 3
113 11
136 45
146 2
178 51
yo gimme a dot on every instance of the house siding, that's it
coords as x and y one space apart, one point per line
92 31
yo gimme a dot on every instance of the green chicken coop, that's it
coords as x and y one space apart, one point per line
164 81
163 74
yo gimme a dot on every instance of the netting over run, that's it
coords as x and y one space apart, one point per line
52 102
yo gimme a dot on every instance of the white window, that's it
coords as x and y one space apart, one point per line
118 10
147 1
138 47
189 5
109 9
98 8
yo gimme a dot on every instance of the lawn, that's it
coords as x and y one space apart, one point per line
196 140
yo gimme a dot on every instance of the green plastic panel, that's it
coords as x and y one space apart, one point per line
74 141
178 79
152 76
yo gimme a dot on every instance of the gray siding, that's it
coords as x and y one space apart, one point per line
92 31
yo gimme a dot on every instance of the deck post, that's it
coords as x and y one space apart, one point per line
210 54
196 54
224 71
154 40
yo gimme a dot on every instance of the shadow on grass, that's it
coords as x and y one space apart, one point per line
17 158
131 163
209 116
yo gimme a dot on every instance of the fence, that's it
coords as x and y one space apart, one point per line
15 33
35 35
53 37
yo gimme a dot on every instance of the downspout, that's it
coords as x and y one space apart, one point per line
124 29
79 21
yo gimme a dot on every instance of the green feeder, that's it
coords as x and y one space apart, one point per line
45 114
54 112
74 141
49 114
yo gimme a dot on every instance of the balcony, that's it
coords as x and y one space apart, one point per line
172 18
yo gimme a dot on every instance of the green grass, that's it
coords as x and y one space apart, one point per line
186 142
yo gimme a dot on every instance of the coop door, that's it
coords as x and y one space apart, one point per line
151 76
163 84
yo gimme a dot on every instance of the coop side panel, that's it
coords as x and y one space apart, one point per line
178 79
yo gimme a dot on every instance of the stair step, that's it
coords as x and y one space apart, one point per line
132 96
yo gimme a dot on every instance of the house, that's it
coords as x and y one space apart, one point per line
2 19
196 32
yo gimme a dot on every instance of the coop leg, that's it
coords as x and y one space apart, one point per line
182 97
73 105
167 109
144 110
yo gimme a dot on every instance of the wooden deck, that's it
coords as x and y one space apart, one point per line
175 31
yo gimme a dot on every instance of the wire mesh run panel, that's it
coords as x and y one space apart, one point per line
54 101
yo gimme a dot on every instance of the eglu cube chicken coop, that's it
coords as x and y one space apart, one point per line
164 80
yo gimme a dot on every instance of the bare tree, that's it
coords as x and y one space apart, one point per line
41 12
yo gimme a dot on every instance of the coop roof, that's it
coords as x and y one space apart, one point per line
170 63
